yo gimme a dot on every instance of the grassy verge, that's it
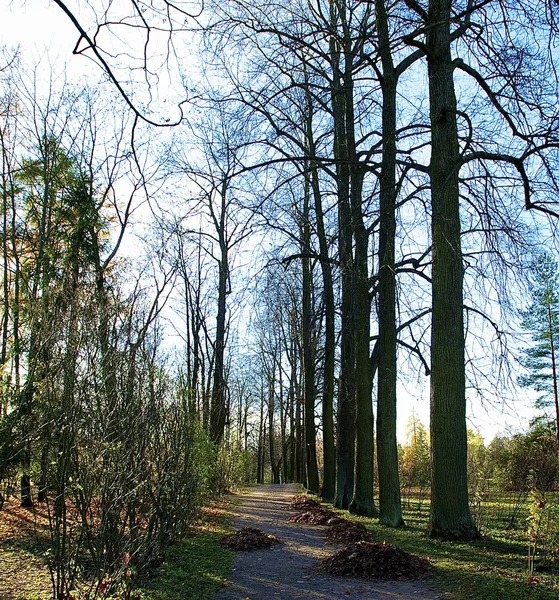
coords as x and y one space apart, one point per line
194 569
198 566
24 543
493 568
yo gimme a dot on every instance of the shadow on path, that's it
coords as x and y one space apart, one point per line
283 572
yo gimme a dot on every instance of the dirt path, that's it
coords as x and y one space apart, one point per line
282 572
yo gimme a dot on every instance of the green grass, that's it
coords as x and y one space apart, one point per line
197 567
493 568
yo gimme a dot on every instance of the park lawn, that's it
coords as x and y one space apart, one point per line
194 568
492 568
198 566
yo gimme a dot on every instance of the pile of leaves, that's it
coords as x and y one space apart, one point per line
340 530
249 538
320 516
304 503
368 560
311 512
346 532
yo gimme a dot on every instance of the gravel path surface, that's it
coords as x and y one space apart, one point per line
282 572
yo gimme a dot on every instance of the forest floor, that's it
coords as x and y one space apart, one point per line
285 571
24 542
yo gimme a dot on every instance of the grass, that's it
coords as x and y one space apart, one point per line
194 568
197 567
24 541
493 568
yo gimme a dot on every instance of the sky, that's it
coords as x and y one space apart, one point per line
36 25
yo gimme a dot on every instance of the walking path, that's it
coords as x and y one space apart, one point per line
282 572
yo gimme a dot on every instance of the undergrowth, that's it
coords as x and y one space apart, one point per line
197 567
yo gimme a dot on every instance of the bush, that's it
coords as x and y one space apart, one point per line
530 462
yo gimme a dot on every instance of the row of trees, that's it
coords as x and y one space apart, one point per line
389 150
344 200
406 247
522 462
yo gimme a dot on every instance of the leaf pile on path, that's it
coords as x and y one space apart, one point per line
304 503
249 538
367 560
340 530
321 516
311 512
346 532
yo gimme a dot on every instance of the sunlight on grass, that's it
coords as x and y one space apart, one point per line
493 568
197 567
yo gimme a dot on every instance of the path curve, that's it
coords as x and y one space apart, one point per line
282 572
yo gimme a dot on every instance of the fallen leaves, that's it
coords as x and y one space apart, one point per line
24 539
311 512
362 557
249 538
367 560
304 503
315 517
346 532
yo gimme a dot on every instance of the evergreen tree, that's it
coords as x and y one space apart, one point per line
541 319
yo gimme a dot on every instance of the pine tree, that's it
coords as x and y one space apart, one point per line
541 319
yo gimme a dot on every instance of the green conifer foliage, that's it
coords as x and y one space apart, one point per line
541 319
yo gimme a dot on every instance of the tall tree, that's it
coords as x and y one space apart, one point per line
217 146
541 320
308 344
450 511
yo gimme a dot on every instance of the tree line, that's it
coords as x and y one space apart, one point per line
351 194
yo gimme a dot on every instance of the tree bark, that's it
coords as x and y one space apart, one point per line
554 372
313 483
328 489
362 502
390 504
218 414
345 446
450 512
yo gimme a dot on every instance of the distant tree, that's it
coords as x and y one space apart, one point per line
541 319
478 476
494 454
528 462
415 463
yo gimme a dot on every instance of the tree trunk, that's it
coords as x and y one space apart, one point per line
363 492
313 484
292 422
450 512
328 490
299 437
271 441
390 504
362 502
261 435
554 372
345 447
283 425
218 409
